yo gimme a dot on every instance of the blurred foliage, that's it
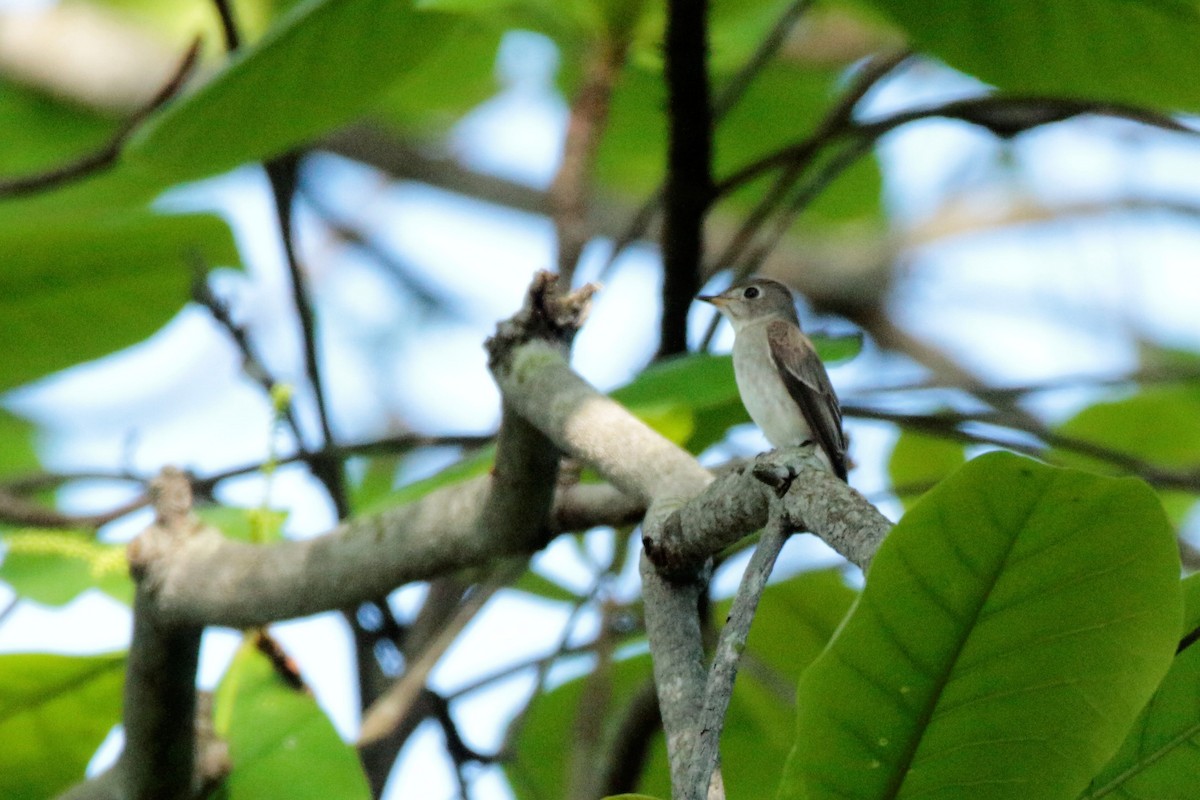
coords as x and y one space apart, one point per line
920 460
281 744
1156 425
54 567
79 288
54 712
1080 48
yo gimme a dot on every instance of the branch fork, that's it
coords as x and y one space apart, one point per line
690 516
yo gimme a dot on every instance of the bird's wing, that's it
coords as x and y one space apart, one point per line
808 383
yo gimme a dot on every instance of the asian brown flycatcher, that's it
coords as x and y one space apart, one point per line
782 382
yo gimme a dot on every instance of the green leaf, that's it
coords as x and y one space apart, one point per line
55 567
1157 425
320 67
1013 625
474 465
919 461
539 764
41 131
1084 48
54 712
280 741
1158 758
258 525
371 478
542 586
459 75
17 453
75 289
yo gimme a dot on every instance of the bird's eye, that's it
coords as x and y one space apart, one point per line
751 292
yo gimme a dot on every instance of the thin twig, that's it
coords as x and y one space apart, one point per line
106 156
1003 115
544 663
949 426
834 124
19 511
229 28
282 174
413 284
9 608
252 364
721 675
384 714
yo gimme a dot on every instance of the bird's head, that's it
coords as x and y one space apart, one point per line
752 301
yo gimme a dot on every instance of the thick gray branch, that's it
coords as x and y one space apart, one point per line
737 503
158 762
676 644
212 580
538 383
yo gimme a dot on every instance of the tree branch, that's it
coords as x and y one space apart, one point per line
677 648
570 190
160 682
1004 115
212 580
689 186
719 687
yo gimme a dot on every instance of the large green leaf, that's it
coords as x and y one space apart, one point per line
280 741
456 77
77 288
320 67
1013 625
1159 758
54 712
55 567
1129 50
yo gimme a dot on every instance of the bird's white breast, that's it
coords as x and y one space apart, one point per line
764 394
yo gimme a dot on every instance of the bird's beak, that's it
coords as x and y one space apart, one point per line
713 299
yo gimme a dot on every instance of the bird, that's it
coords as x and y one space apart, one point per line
782 382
